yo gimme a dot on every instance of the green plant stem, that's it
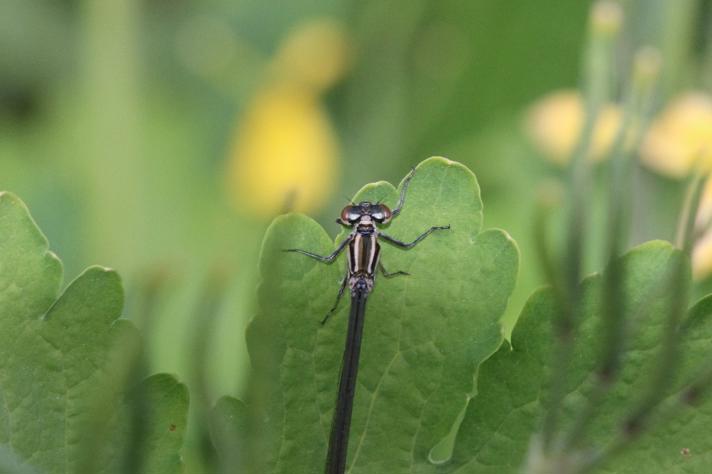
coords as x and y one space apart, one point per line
597 75
636 110
692 395
686 231
671 336
546 203
205 315
695 392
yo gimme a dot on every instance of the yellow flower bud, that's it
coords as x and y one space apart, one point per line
284 155
606 18
702 252
285 152
554 124
681 137
702 257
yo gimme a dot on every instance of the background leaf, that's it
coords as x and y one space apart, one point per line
63 362
513 384
227 432
425 334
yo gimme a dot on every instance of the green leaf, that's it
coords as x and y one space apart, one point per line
63 361
496 433
425 334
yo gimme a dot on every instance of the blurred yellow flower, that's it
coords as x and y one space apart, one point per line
702 257
285 153
678 142
681 137
554 124
702 253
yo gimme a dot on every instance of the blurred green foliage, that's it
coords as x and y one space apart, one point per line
69 368
117 119
496 433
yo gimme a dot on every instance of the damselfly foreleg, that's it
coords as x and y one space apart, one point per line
387 274
404 190
410 245
324 258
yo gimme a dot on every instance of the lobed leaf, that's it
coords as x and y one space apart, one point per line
425 334
63 361
501 420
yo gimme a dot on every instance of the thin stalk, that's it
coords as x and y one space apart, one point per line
605 25
678 286
691 395
706 65
636 112
695 392
341 423
546 202
686 231
204 318
635 424
630 133
600 457
668 355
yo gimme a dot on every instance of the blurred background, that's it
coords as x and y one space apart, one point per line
161 137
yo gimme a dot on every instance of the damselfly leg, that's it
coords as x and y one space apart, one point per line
388 274
404 189
338 298
324 258
410 245
342 288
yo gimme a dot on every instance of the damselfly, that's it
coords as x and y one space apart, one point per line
364 253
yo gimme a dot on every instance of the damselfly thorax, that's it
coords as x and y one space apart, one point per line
363 259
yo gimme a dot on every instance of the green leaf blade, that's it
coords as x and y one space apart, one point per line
513 385
30 275
425 334
65 362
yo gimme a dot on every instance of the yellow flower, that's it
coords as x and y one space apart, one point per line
702 253
681 137
678 142
702 257
285 153
554 124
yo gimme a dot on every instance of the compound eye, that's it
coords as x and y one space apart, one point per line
350 214
381 214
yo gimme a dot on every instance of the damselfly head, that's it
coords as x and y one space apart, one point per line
354 213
